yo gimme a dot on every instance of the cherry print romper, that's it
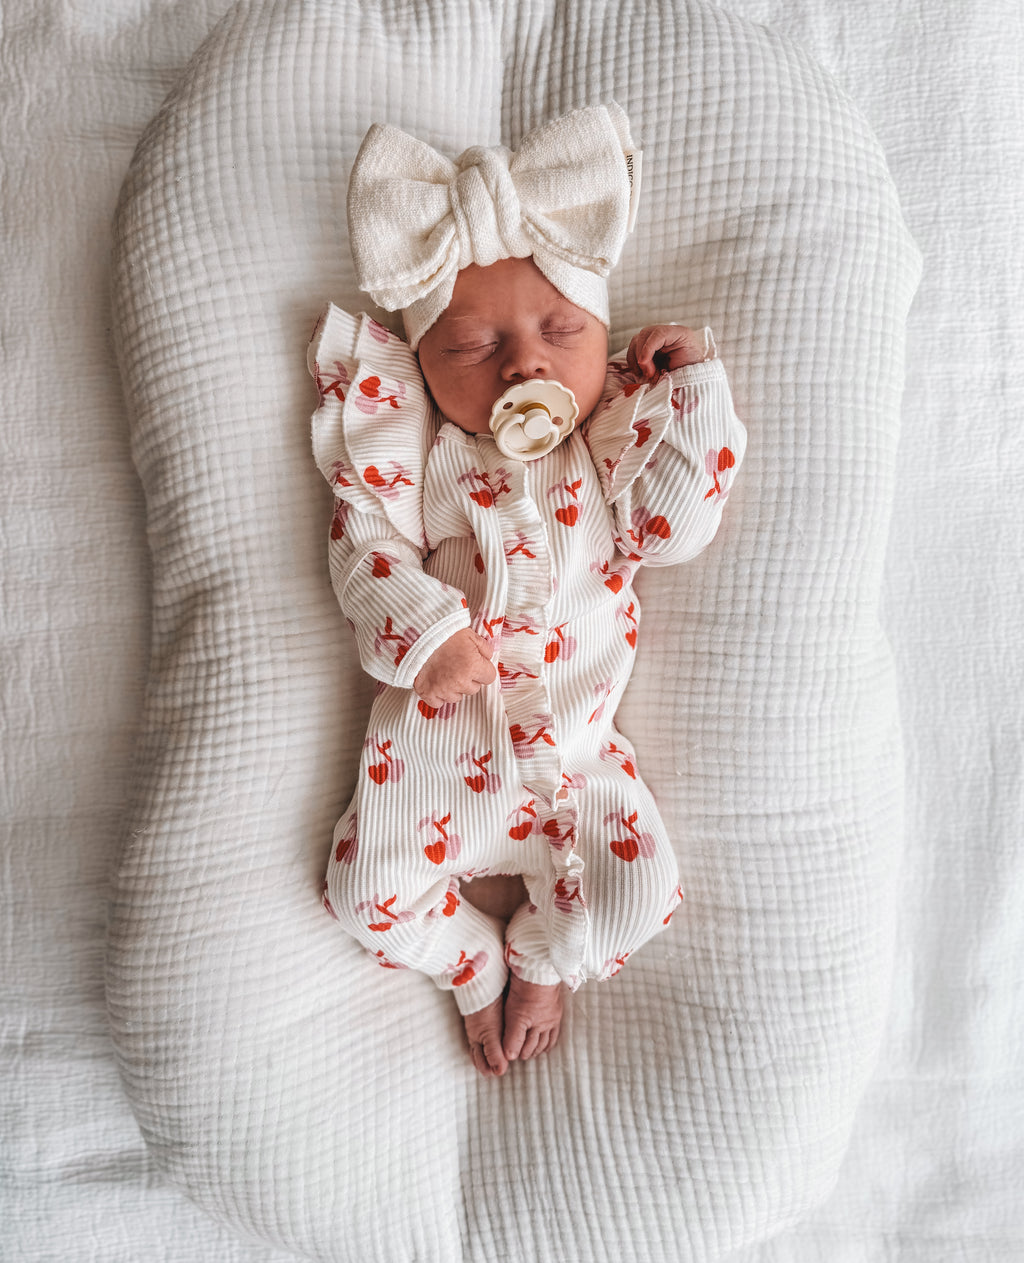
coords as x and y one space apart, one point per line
434 530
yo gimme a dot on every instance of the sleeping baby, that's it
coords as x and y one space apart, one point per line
498 482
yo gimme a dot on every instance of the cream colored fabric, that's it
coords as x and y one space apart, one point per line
416 217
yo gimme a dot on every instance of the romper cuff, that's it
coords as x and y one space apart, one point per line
633 417
426 643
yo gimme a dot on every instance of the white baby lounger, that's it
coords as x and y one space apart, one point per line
701 1100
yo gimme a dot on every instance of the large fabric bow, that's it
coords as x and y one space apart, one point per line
416 218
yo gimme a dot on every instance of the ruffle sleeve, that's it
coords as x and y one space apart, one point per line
666 453
371 433
375 421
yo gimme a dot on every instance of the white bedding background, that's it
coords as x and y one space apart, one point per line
936 1165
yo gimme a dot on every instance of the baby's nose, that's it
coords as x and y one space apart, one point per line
526 358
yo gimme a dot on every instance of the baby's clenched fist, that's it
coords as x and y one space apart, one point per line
459 667
661 348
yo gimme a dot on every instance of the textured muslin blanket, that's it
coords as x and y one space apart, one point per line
733 1127
762 705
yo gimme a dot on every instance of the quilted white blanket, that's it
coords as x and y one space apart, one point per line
914 1155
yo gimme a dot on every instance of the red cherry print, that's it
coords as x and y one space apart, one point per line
381 566
394 918
625 848
343 848
526 822
726 460
561 646
444 711
451 902
614 581
478 563
341 512
325 899
370 387
445 844
643 432
373 476
486 492
465 969
389 768
636 843
631 638
658 526
569 512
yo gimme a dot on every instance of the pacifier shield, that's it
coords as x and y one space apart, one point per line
531 418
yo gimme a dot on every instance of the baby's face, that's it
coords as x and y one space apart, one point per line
505 324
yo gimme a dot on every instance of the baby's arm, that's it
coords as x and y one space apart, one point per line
670 448
401 616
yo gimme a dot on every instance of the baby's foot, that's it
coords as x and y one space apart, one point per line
533 1019
483 1030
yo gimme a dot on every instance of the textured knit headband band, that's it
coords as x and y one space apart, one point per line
416 218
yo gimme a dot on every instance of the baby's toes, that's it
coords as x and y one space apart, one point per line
516 1033
494 1054
531 1044
480 1061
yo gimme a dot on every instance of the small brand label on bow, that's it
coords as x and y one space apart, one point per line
634 166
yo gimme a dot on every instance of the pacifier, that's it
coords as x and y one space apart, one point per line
533 417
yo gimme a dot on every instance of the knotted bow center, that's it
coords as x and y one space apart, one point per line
485 208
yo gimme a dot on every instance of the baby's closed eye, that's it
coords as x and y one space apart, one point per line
470 352
562 333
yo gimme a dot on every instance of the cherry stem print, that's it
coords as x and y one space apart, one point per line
389 768
487 492
401 642
446 845
332 385
521 741
635 842
569 511
388 486
526 822
521 547
561 646
718 463
483 779
371 397
385 909
613 754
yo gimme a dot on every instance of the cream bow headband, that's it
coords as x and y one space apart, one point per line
416 218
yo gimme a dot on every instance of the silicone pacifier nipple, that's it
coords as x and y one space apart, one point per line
533 417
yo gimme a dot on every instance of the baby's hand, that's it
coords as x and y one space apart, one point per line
457 668
660 348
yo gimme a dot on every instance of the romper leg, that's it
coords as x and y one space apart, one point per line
591 916
408 913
